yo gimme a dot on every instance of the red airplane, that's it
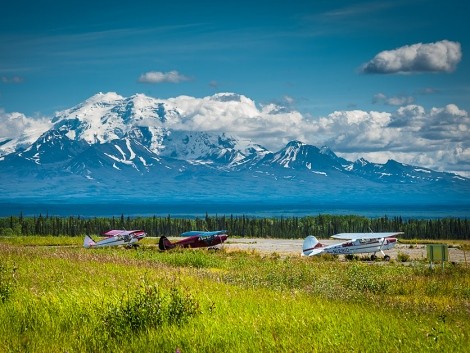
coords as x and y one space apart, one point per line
195 239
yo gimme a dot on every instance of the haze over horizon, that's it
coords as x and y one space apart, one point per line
380 80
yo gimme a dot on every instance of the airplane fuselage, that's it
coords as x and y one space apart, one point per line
358 246
193 242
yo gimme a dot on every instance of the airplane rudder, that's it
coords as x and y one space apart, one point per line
310 242
164 243
88 242
161 243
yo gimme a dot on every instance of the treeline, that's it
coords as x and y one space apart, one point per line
322 226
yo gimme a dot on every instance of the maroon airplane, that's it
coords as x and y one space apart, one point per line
195 239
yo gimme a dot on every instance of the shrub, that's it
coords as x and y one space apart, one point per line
181 307
149 308
6 283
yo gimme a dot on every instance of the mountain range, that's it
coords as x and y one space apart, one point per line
113 148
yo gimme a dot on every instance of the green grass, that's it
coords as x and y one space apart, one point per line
70 299
34 240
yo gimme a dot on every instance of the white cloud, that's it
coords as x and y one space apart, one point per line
437 138
349 131
448 124
19 130
160 77
440 56
270 125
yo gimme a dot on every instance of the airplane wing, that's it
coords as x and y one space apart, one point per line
202 233
350 236
114 232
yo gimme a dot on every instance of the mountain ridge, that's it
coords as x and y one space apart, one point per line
114 147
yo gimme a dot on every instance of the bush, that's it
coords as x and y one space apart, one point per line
6 283
149 308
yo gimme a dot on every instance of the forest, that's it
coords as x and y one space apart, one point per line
321 226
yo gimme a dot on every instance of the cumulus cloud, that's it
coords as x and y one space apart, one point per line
350 131
435 138
19 130
160 77
444 125
440 56
269 125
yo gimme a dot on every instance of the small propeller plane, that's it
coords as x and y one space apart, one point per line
195 239
116 237
357 243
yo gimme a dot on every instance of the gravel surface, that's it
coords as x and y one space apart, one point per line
293 247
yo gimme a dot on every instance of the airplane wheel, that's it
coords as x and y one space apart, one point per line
373 257
387 258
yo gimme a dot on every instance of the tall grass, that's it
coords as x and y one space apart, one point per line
116 300
42 240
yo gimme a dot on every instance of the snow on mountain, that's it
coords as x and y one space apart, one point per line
107 117
159 125
113 145
298 155
211 149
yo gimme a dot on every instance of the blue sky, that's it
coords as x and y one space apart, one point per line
315 57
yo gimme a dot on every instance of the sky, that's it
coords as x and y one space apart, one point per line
372 79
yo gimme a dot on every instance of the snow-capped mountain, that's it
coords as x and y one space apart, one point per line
113 147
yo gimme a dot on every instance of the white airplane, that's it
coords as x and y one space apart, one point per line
115 237
357 243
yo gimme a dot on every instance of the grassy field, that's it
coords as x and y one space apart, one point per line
56 296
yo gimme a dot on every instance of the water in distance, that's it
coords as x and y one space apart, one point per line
253 209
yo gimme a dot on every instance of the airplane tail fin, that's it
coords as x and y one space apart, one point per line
88 242
311 246
165 244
